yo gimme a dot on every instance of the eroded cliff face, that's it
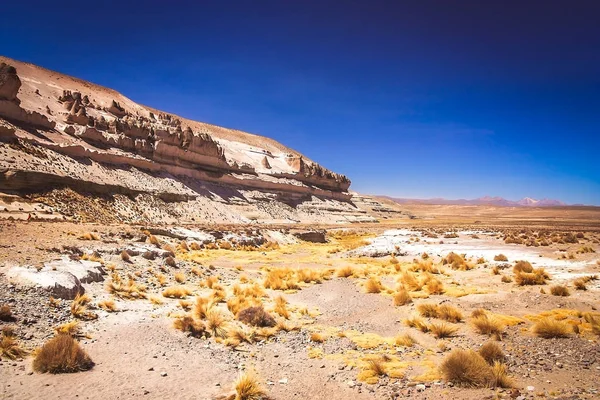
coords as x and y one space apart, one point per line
81 119
65 132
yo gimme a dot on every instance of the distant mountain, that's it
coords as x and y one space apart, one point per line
486 200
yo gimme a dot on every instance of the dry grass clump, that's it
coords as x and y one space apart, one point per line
580 283
281 279
256 316
6 314
281 307
177 292
247 387
317 337
79 307
466 368
537 276
500 257
418 323
108 305
402 297
373 285
216 323
410 282
404 340
442 330
125 290
522 266
457 262
190 325
559 290
487 325
506 279
71 328
491 352
154 240
344 272
495 270
180 277
424 265
89 236
586 249
428 310
449 313
125 256
433 285
62 354
9 346
549 328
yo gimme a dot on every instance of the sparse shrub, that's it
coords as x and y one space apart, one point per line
281 307
538 276
125 256
404 340
62 354
6 314
491 352
506 279
500 257
344 272
179 277
256 316
559 290
108 305
247 387
500 376
317 337
190 325
176 292
373 285
457 262
89 236
128 290
418 323
433 285
442 330
548 328
428 310
402 297
449 313
466 368
216 323
522 266
9 346
487 325
79 307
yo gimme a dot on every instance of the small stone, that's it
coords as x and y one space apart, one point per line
163 374
151 369
530 388
283 381
350 384
420 387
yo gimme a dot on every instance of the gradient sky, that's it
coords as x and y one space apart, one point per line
455 99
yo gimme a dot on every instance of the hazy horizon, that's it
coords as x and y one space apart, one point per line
419 101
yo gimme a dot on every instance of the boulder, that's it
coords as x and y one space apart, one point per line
61 284
85 271
9 83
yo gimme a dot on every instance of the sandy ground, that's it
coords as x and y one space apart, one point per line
138 353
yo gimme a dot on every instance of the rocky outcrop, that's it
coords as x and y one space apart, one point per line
9 83
311 236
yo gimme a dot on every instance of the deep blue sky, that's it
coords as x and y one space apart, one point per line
455 99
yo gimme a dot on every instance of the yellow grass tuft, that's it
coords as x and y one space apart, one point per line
9 346
500 257
442 330
404 340
549 328
180 277
190 325
344 272
108 305
89 236
449 313
68 328
177 292
216 323
466 368
281 307
62 354
487 325
125 290
559 290
522 266
318 337
491 352
79 307
402 297
373 285
247 387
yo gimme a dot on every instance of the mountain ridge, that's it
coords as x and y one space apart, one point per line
485 200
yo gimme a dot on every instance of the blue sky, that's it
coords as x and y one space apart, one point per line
411 99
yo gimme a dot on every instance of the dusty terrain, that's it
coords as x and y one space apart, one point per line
181 256
333 326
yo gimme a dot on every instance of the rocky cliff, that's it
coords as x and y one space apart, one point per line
61 132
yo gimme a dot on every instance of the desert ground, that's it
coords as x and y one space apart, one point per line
361 311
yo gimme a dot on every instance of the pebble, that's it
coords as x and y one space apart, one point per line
163 374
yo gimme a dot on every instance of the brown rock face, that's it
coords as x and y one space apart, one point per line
9 83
